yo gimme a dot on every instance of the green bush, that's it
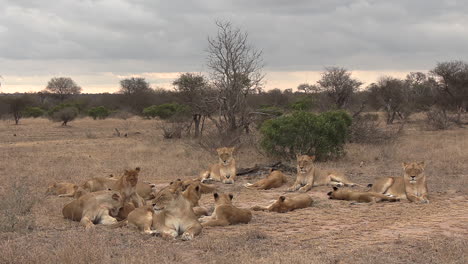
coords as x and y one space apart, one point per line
63 113
304 103
33 112
323 135
166 111
99 112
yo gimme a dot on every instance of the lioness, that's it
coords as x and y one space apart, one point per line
174 214
412 186
360 197
140 218
127 187
97 207
287 203
62 189
225 213
193 190
309 175
274 179
225 170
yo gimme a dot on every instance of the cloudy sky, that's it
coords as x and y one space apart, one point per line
99 42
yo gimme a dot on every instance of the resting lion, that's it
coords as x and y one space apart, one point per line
174 214
274 180
126 184
225 170
225 213
412 186
94 208
359 197
193 190
140 218
62 189
309 175
287 203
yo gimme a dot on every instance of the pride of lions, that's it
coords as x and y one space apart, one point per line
175 211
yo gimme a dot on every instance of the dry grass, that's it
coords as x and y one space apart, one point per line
33 231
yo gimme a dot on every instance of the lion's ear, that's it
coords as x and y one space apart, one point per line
422 164
116 197
335 188
216 196
312 158
282 198
329 193
405 164
231 196
137 169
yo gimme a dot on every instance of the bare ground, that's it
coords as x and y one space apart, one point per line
32 229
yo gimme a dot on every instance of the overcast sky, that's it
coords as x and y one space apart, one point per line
98 42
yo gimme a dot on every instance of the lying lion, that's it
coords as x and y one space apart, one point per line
141 218
309 175
174 215
275 179
224 171
412 186
287 203
62 189
193 190
98 207
225 213
359 197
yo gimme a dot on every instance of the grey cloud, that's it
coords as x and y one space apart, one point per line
104 35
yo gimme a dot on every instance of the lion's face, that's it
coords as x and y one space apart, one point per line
51 189
165 197
414 171
116 202
223 198
304 163
225 155
131 176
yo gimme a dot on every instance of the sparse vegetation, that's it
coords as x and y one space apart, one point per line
99 112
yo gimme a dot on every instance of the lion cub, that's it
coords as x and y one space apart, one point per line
309 175
360 197
127 186
141 218
98 207
412 186
225 213
225 170
287 203
274 180
62 189
192 191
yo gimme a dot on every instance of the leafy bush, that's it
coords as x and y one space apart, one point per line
99 112
166 111
323 135
303 104
33 112
63 113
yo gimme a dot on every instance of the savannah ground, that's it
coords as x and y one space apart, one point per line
32 229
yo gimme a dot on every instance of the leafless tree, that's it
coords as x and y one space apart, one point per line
236 72
136 93
62 87
17 105
307 88
337 83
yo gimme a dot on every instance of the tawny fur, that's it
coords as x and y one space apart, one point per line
275 179
287 203
223 171
225 213
359 197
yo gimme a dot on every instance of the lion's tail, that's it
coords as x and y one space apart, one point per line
119 224
249 185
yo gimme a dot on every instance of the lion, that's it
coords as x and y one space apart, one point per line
62 189
412 186
141 218
146 190
359 197
287 203
126 184
192 191
309 175
174 215
94 208
274 179
225 213
224 171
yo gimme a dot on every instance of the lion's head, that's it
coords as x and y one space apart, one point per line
166 196
305 163
131 176
225 155
223 198
414 171
116 202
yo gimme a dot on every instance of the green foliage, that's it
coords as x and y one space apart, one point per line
166 111
323 135
99 112
271 110
77 106
304 103
63 113
33 112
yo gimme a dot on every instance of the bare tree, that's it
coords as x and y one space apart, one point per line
195 92
136 93
337 83
17 105
236 72
307 88
62 87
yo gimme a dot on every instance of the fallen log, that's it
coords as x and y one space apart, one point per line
265 167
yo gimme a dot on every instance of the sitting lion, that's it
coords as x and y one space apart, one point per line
225 213
126 184
274 180
360 197
309 175
174 214
287 203
224 171
193 190
412 186
62 189
94 208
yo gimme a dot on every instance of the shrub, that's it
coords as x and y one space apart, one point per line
166 111
438 119
33 112
323 135
367 128
63 113
303 104
99 112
